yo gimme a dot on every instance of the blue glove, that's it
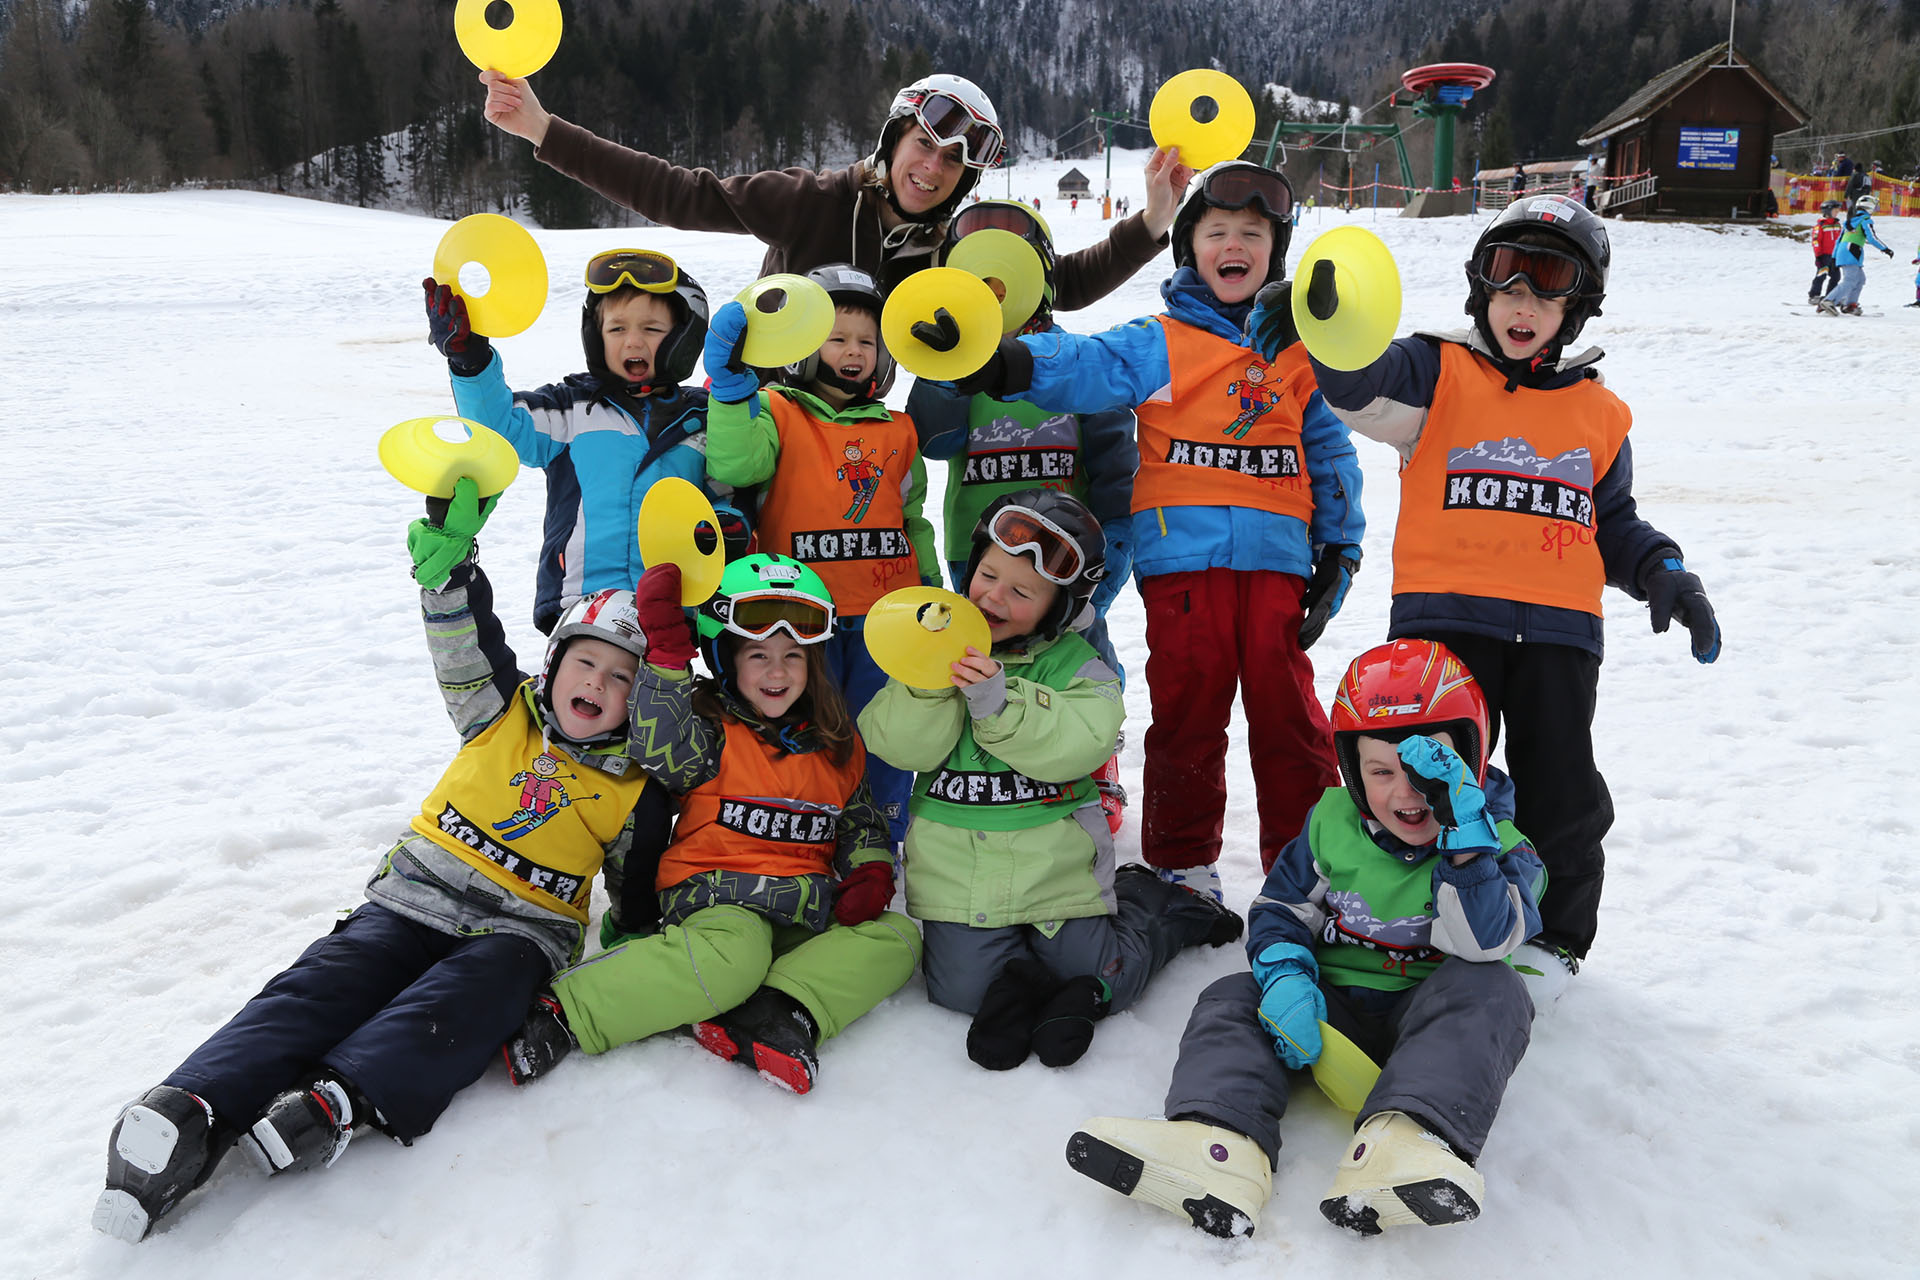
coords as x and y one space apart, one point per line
1447 785
1672 592
1291 1005
1327 589
729 379
1270 325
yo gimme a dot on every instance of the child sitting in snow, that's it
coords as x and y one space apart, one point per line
1390 918
409 998
843 480
1009 861
604 436
1511 447
774 890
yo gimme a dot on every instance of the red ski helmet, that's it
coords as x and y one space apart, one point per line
1404 687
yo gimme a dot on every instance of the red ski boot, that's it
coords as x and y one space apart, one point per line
1113 796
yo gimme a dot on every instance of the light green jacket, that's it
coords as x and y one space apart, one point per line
1052 717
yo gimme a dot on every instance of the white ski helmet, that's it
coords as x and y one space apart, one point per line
952 109
607 615
1868 204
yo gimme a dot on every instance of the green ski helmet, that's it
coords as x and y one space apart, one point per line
761 594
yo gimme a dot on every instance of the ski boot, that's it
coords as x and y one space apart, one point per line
1222 923
1113 796
1203 879
1396 1174
303 1128
1215 1178
542 1040
162 1147
1851 309
1826 308
771 1032
1546 969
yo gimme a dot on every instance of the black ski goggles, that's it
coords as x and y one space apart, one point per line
1239 187
948 120
996 217
639 268
1548 272
1024 531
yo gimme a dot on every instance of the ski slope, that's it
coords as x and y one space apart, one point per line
217 711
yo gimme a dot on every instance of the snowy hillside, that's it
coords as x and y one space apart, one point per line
218 711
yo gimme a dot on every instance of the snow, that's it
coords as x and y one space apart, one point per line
217 712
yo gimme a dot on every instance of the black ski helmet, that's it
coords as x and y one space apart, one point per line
1552 221
848 286
678 352
1071 608
1241 183
1023 220
907 106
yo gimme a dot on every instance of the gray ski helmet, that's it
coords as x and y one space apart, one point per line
1559 222
907 106
678 352
848 286
1072 605
1237 184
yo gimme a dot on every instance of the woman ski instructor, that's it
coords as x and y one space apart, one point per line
886 214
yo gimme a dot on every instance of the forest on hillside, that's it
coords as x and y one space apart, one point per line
371 101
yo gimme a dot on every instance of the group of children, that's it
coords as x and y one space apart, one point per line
750 821
1839 256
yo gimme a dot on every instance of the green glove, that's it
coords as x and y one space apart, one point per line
437 547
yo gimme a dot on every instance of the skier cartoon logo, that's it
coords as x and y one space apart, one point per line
863 475
1256 400
542 795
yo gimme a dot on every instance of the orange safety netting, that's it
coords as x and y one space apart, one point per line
1806 192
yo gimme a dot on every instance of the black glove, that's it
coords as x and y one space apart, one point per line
1007 374
1322 298
467 352
1888 252
1672 592
942 335
1327 590
1270 328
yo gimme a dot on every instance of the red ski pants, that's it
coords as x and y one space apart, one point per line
1209 633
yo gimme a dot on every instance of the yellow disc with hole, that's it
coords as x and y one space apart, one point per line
1006 259
1367 291
428 454
516 272
788 317
516 50
1202 143
1344 1072
966 298
916 634
678 526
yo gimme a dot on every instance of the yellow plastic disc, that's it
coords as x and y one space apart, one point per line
1367 284
973 307
516 270
428 454
1222 138
517 50
788 317
678 526
1002 257
916 634
1344 1072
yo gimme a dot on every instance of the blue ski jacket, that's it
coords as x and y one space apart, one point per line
1124 368
600 461
1852 247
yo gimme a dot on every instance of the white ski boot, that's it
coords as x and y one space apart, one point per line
1547 970
1215 1178
1396 1174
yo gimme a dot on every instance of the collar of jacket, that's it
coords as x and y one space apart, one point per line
1563 373
794 738
864 411
1189 299
607 753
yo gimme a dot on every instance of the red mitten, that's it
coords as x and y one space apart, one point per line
663 620
864 894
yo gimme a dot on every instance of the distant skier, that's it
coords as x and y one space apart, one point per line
1850 254
1826 234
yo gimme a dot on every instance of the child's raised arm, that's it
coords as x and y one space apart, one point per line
676 745
476 668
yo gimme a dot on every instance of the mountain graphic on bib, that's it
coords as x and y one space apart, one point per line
1059 429
1515 454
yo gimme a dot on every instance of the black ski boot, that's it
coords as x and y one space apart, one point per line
1064 1030
771 1032
1215 923
542 1040
162 1147
303 1128
1001 1036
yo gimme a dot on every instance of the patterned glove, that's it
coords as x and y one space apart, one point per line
1448 786
444 540
448 330
1291 1004
1270 324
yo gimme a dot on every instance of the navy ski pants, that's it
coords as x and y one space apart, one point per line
404 1013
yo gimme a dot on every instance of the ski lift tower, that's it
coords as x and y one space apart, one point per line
1440 92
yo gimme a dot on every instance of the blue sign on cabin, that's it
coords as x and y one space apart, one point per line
1709 148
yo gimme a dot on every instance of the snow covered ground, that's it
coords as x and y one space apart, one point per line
217 711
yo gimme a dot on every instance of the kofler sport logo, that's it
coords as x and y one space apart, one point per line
1507 475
